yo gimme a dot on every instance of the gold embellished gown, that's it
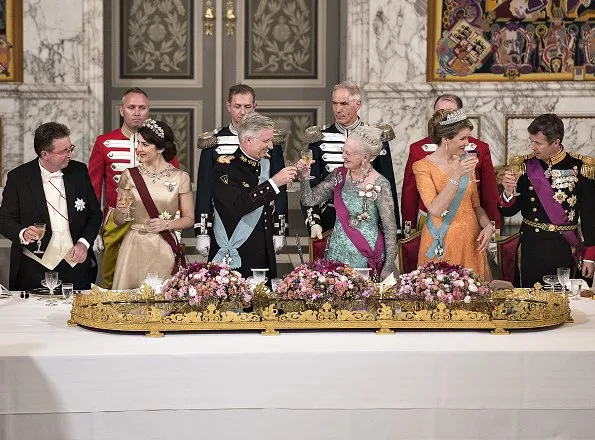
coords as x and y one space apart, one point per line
460 245
141 251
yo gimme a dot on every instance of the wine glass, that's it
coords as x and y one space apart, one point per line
51 281
291 186
307 158
563 277
472 176
40 229
126 197
515 169
550 280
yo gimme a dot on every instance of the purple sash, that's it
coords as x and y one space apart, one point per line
553 209
374 257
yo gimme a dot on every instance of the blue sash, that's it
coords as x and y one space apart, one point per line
436 249
228 247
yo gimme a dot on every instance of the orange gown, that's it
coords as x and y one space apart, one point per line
460 245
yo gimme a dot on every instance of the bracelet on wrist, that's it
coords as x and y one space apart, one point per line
453 181
167 225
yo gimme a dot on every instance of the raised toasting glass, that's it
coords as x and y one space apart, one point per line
40 229
307 158
127 198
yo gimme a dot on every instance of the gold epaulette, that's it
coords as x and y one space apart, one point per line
588 168
206 140
388 134
575 155
279 137
313 134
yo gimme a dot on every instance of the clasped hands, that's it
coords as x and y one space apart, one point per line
156 225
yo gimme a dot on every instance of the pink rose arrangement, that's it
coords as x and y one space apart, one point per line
205 283
324 280
440 281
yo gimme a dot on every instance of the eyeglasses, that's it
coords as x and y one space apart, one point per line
63 153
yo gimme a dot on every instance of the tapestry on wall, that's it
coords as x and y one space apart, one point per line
501 40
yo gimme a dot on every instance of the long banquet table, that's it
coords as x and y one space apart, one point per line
75 383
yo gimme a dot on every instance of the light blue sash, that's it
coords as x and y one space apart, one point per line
228 247
436 249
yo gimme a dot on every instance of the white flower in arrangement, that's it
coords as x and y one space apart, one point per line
472 287
165 215
192 292
79 204
467 299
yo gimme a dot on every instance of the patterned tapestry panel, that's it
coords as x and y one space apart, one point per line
281 39
157 39
491 40
294 122
181 122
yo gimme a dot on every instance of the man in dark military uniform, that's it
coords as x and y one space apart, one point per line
244 194
225 142
555 189
326 144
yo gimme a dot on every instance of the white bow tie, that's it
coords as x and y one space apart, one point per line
49 176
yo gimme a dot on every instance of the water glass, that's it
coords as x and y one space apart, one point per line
575 289
274 283
67 289
51 282
563 277
364 272
259 275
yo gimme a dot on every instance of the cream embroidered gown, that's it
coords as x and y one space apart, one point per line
143 251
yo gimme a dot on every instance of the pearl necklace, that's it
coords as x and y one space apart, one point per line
360 181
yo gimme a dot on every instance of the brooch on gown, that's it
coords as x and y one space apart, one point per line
370 192
170 185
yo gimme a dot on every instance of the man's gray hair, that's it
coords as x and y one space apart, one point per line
355 93
251 125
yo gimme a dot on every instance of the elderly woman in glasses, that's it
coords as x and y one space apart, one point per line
365 231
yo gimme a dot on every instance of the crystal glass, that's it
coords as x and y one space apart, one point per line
259 275
307 158
274 283
67 289
40 229
575 289
292 186
127 198
563 277
516 172
550 280
466 154
364 272
51 281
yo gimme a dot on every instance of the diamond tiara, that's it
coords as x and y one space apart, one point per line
152 125
456 116
370 135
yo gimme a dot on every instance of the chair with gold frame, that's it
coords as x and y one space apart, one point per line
316 247
408 250
507 249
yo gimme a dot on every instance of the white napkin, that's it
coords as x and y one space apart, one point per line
387 283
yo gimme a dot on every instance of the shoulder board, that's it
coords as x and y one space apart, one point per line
575 155
314 134
279 137
429 147
226 159
588 168
206 140
388 134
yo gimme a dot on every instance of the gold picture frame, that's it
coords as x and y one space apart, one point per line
11 41
509 40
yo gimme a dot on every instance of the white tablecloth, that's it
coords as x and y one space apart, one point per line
67 383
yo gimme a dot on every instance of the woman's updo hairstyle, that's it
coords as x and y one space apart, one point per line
161 135
446 124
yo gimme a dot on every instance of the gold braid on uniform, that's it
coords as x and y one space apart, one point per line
588 168
206 140
313 134
279 137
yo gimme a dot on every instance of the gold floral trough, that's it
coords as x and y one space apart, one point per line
144 310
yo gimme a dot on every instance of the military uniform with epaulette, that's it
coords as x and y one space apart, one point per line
236 192
224 142
326 143
542 246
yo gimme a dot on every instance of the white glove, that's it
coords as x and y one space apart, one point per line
279 242
98 244
316 231
203 242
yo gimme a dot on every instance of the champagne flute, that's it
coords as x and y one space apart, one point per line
563 277
291 187
307 158
40 229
